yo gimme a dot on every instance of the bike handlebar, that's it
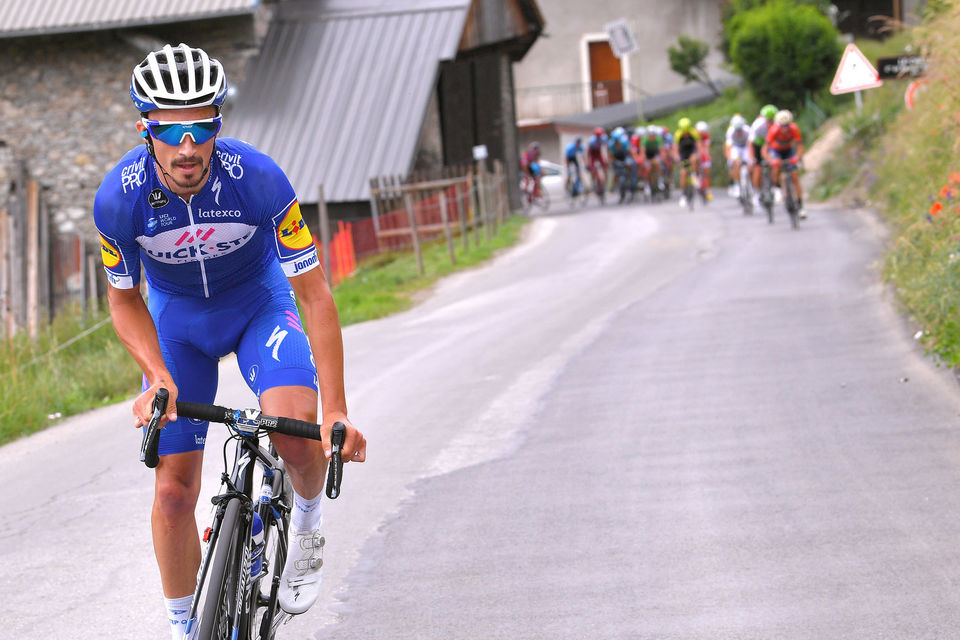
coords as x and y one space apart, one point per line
246 421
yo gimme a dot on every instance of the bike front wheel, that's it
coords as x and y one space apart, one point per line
790 197
220 591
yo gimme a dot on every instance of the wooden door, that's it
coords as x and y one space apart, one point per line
605 75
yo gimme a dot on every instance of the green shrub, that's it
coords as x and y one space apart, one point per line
784 51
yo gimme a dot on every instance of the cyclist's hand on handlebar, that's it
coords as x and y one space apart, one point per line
354 444
143 405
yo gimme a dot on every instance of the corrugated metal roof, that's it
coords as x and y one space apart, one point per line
336 97
35 17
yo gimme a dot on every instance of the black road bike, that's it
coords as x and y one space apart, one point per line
239 577
766 190
790 193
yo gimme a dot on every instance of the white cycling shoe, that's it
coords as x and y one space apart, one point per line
302 572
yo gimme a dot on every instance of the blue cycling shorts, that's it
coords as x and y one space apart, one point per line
257 320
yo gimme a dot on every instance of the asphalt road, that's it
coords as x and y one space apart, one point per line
640 423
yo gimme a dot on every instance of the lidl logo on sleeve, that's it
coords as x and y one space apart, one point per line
293 232
109 253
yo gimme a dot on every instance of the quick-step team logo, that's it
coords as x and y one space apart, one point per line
109 253
293 232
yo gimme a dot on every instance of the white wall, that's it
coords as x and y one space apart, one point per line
560 57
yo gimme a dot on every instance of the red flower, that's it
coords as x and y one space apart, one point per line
946 192
955 178
935 208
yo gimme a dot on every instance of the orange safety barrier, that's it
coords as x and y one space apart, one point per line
343 259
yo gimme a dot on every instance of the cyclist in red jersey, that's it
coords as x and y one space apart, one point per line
785 143
530 165
596 155
705 161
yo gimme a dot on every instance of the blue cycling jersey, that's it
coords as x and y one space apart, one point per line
245 217
572 150
216 267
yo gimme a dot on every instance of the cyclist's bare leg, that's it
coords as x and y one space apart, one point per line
795 176
304 458
174 525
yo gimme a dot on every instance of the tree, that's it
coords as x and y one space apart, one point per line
733 8
688 59
784 50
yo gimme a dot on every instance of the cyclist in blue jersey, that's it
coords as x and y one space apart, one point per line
573 154
216 226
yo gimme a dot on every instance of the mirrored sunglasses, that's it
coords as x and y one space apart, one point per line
173 132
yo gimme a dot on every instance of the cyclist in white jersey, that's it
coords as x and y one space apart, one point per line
735 145
217 228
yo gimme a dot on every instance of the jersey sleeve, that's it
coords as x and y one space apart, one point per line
295 247
294 244
113 216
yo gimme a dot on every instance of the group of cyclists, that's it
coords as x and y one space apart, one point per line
643 158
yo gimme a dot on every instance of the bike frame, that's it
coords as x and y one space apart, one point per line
239 602
242 605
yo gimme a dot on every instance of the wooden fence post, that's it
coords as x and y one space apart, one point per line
5 272
446 224
92 270
483 196
462 209
33 255
408 202
501 190
324 233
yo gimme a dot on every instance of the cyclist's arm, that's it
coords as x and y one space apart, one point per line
322 324
135 328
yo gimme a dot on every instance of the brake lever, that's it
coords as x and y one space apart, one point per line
151 434
335 468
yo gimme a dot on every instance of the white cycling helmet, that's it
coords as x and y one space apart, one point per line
178 78
619 131
738 121
703 127
640 131
783 117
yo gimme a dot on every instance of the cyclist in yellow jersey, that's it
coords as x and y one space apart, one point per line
685 150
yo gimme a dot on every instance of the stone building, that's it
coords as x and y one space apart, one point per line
66 119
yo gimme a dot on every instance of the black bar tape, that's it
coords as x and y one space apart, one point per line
299 428
208 412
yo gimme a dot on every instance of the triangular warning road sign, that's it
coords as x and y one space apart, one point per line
854 73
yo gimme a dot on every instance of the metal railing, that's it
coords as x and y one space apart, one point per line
556 101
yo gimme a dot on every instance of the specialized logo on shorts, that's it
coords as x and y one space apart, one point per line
276 338
177 246
293 232
158 198
109 253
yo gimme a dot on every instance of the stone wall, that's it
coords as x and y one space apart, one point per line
65 105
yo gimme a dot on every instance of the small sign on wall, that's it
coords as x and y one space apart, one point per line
621 37
480 152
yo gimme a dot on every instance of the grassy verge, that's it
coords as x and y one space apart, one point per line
917 181
77 363
45 379
388 283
